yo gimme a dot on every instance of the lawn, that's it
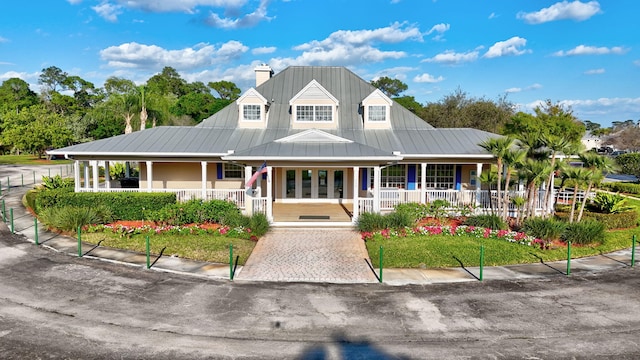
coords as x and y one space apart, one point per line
29 160
211 248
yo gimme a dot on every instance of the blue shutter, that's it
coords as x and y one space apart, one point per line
220 170
364 179
411 177
458 177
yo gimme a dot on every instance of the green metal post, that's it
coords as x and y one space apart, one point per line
4 211
49 172
481 262
148 253
8 184
60 171
34 178
11 213
633 251
381 263
231 261
79 242
22 179
568 258
35 227
0 187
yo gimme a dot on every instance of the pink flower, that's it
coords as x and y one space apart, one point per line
487 232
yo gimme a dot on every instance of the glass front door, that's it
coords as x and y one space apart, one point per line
313 184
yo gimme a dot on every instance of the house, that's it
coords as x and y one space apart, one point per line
327 139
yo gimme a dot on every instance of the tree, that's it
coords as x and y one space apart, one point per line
591 126
34 130
534 172
226 89
549 119
598 165
123 99
556 145
52 79
498 147
512 159
629 163
168 82
578 177
390 87
15 95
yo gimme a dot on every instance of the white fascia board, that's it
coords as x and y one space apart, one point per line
312 158
445 156
136 154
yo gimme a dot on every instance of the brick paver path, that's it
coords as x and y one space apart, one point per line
309 255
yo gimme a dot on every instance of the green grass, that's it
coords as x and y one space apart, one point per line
441 251
209 248
29 160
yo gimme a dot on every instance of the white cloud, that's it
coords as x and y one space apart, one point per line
613 108
108 11
3 39
592 50
264 50
534 86
394 33
427 78
188 6
493 15
450 57
513 90
636 63
245 21
508 47
20 75
439 29
594 71
574 10
74 2
134 55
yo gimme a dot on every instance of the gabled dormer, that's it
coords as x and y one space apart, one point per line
252 110
376 110
314 107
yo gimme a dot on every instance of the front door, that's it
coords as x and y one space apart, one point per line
314 184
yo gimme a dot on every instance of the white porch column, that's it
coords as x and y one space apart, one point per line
376 189
76 175
107 176
203 164
423 183
552 197
356 190
149 175
479 185
269 193
248 194
86 174
96 175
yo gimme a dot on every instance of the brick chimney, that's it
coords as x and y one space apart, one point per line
263 73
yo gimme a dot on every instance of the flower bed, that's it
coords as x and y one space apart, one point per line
150 228
462 230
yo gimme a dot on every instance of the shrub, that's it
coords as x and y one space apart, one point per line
610 203
545 229
624 187
193 211
493 222
234 219
584 232
69 218
56 182
124 206
29 199
398 219
259 224
369 221
415 210
438 208
629 163
623 220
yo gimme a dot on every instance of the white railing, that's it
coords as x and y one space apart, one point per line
236 196
260 205
365 205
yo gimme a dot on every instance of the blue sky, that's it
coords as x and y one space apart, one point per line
585 54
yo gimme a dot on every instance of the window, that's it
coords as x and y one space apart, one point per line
251 112
377 113
393 176
320 113
439 176
233 171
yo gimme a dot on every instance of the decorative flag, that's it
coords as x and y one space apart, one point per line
261 170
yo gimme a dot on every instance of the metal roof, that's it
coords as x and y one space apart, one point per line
217 135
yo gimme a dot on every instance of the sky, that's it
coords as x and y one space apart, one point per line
582 54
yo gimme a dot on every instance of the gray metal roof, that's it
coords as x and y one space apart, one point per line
219 134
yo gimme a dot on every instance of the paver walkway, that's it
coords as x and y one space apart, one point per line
309 255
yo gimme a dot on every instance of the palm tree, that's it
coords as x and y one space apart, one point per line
556 144
498 147
535 172
578 177
489 177
598 165
512 160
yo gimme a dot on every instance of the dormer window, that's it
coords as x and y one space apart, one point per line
317 113
252 112
377 110
377 113
314 107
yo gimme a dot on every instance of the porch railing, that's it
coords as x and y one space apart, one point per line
236 196
260 205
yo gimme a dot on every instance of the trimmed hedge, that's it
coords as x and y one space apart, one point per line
622 220
195 211
623 187
124 205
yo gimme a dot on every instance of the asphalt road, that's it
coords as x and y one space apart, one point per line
55 306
